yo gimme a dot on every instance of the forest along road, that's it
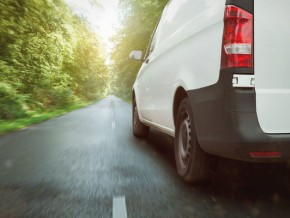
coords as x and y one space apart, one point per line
88 164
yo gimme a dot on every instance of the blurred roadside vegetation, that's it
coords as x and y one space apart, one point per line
49 59
138 18
37 117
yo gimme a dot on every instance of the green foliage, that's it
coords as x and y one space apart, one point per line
37 117
87 69
139 20
48 54
12 105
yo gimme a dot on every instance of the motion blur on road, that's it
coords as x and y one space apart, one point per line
88 164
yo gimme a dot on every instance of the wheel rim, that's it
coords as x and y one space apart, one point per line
184 141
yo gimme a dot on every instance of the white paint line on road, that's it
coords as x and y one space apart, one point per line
113 125
119 207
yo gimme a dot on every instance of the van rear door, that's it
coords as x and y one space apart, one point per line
272 64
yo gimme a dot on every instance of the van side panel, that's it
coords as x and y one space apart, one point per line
272 64
187 54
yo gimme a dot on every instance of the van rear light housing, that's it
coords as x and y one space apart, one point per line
237 47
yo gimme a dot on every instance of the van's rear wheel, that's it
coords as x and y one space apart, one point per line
193 164
139 129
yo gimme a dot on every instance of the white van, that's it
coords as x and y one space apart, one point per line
216 77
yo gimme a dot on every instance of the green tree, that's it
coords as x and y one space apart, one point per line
139 18
87 68
48 55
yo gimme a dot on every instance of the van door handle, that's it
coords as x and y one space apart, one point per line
147 61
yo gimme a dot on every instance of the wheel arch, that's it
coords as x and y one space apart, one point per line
180 94
133 95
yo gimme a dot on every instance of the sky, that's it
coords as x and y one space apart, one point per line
104 21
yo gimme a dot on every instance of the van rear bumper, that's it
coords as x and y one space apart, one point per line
227 125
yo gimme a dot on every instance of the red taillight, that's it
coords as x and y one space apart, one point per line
272 154
237 38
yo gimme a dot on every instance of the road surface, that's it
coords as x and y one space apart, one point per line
88 164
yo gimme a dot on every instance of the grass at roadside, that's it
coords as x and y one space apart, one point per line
37 117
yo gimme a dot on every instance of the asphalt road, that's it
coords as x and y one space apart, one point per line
88 164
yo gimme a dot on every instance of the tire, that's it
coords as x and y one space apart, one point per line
193 164
139 129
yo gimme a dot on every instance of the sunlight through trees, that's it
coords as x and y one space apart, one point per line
48 57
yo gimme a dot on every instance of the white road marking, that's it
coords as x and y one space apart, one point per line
113 125
119 207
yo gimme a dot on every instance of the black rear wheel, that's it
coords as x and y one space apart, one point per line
193 164
139 129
